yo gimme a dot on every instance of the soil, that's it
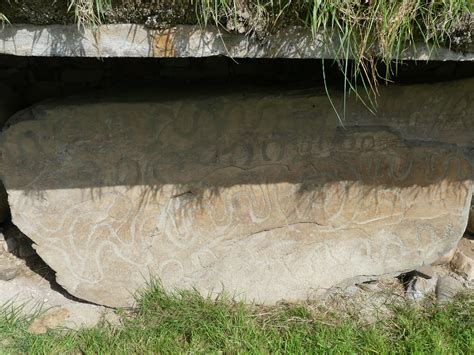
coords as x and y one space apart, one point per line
155 14
46 12
37 12
462 33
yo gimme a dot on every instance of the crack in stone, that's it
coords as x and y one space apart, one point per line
284 226
182 194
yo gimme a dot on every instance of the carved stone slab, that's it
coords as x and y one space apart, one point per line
263 196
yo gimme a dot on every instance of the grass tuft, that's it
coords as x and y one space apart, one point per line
89 13
3 20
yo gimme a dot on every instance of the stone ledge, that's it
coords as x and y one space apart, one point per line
129 40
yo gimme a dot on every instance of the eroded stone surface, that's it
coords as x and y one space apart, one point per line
32 294
463 261
25 287
262 195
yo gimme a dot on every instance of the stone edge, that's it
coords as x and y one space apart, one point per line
131 40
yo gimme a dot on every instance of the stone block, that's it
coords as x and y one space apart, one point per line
262 195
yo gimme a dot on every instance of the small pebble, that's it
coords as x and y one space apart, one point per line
8 273
418 287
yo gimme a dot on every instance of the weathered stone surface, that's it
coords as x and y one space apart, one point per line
25 286
463 260
445 259
52 319
421 112
447 288
263 195
128 40
426 271
32 294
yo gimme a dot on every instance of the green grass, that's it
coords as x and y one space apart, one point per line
89 12
3 20
185 322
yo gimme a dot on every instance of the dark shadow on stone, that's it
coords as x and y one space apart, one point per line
406 278
23 248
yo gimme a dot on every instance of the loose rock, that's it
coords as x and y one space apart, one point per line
419 287
32 294
463 260
447 288
52 319
8 269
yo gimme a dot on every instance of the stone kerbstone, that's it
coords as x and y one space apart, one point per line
262 195
181 41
